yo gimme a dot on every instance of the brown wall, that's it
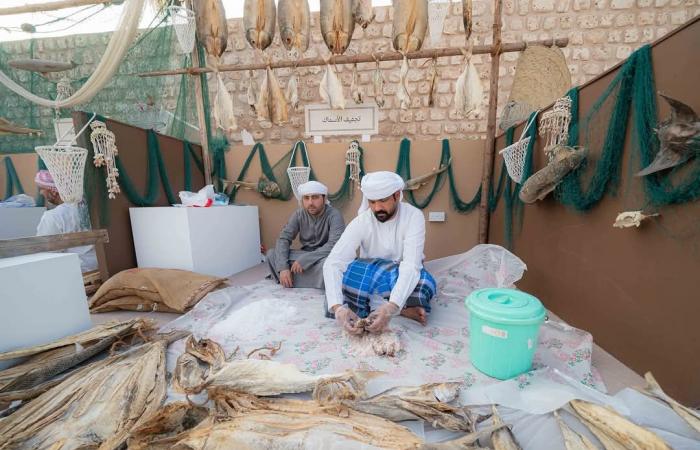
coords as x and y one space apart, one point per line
133 151
26 167
457 234
635 290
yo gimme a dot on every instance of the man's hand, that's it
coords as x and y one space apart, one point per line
346 318
286 279
296 267
380 318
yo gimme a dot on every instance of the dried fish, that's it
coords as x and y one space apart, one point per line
42 66
432 82
95 407
363 12
502 438
356 91
689 415
467 17
7 127
623 432
292 92
545 180
469 92
378 80
224 116
337 24
201 358
422 180
294 21
259 22
573 440
402 93
630 219
465 442
212 30
331 89
410 24
250 93
262 107
679 138
277 101
168 426
427 402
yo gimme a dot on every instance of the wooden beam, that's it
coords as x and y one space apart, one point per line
365 58
489 146
52 6
37 244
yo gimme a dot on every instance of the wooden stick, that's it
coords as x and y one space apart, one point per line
346 59
489 146
204 138
50 6
36 244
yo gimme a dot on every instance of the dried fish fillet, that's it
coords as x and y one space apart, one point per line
502 438
402 93
622 431
251 96
331 89
262 108
355 89
469 91
378 80
573 440
427 402
292 92
689 415
168 426
223 108
95 407
432 82
465 442
277 101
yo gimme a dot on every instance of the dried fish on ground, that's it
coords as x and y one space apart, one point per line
465 442
572 439
167 426
294 21
378 80
502 438
259 22
224 116
201 358
355 89
31 378
605 421
428 402
402 93
42 66
212 31
410 24
251 96
469 91
337 24
331 89
432 82
363 12
292 92
95 407
545 180
654 389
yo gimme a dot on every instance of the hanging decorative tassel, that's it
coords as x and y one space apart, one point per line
352 159
104 143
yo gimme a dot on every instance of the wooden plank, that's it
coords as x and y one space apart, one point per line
37 244
364 58
489 146
49 6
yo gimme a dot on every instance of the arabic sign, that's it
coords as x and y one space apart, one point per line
321 120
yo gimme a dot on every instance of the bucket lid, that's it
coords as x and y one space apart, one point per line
505 305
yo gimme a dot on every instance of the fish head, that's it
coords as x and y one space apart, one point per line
337 42
288 37
258 39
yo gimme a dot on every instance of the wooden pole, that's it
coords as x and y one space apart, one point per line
52 6
365 58
203 136
489 147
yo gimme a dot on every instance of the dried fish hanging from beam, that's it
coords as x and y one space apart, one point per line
378 80
432 82
331 89
355 89
105 146
251 95
409 28
294 21
554 126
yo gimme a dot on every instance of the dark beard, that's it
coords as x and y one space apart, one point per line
382 216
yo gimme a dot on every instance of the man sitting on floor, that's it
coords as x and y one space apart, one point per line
389 277
319 227
61 219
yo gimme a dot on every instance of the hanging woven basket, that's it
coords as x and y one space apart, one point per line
514 155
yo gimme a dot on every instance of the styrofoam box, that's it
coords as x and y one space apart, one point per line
43 299
19 222
218 241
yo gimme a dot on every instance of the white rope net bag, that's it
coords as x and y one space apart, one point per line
554 126
352 159
298 175
437 11
514 155
183 21
105 146
66 163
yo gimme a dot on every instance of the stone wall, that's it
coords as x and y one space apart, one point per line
601 34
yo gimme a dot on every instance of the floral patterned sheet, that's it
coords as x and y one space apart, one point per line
266 314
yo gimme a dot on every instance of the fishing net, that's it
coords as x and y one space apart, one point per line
183 21
67 166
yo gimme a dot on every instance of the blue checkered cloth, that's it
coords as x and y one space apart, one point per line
366 277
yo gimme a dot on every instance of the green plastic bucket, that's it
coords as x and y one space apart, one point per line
504 324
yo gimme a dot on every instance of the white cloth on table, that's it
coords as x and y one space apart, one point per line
65 218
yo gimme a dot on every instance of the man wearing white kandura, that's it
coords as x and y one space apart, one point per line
388 278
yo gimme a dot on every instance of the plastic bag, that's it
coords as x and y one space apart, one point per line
203 198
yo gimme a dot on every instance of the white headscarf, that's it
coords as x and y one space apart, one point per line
311 188
379 185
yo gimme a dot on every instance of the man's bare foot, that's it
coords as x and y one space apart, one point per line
416 313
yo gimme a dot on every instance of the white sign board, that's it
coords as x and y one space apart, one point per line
321 120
